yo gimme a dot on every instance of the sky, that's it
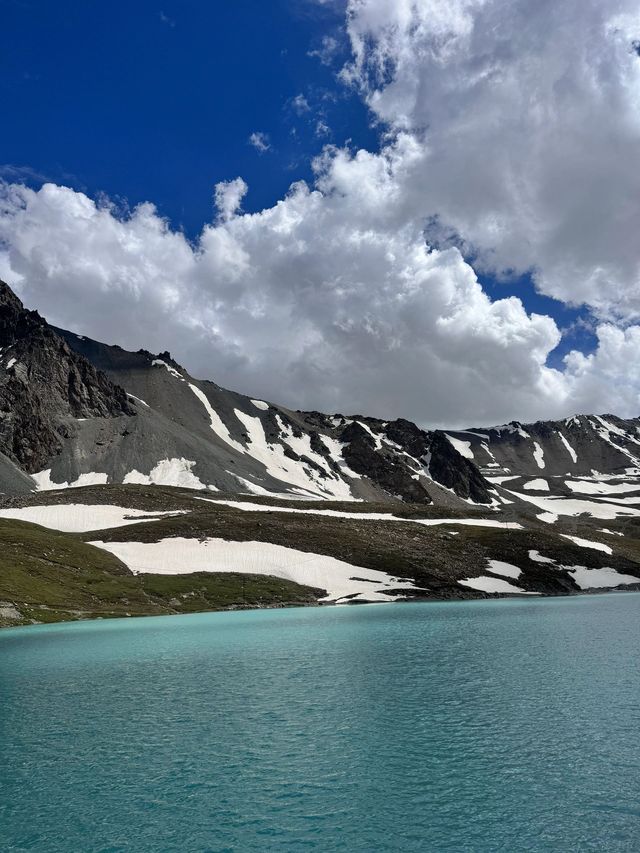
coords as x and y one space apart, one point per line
403 208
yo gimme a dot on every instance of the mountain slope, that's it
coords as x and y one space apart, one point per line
77 412
45 387
577 446
70 554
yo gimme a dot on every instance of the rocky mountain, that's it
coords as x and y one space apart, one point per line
79 412
582 445
44 388
254 504
74 411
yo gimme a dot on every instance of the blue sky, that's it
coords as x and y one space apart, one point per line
158 102
148 101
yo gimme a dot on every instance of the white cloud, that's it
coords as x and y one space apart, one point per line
260 141
512 124
300 104
228 197
323 300
528 116
327 51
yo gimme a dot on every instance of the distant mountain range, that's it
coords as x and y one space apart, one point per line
78 412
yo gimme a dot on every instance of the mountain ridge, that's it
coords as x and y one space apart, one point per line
76 411
255 504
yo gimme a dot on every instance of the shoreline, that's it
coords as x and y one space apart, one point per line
321 605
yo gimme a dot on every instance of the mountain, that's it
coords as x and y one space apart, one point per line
187 496
576 447
79 412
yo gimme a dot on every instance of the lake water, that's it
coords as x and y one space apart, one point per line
476 726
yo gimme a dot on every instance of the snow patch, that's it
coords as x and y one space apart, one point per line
463 447
587 543
547 517
573 507
538 454
570 450
133 397
80 518
484 583
504 569
215 420
334 448
247 506
589 487
168 472
281 467
514 427
537 485
44 483
184 556
604 578
376 438
259 404
537 557
158 362
254 489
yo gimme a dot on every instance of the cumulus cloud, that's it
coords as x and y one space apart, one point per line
528 116
511 127
320 301
228 197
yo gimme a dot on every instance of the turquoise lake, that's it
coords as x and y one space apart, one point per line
478 726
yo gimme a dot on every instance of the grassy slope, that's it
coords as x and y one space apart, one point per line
52 576
49 576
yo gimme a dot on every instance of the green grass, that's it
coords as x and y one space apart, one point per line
50 576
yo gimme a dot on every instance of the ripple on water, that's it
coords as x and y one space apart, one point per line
503 725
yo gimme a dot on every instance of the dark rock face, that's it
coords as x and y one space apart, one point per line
381 467
411 438
455 472
44 387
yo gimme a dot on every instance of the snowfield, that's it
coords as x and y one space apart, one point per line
570 450
604 578
80 518
169 472
591 487
178 555
44 483
463 447
574 506
486 584
538 454
504 569
587 543
539 485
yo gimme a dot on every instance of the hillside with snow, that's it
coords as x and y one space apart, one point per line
172 479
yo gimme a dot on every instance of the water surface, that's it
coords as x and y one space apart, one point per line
476 726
